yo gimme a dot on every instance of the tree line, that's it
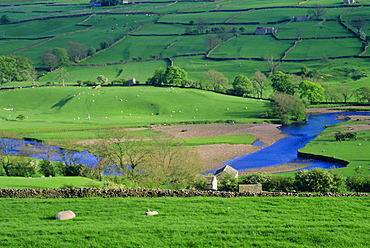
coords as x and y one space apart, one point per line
155 163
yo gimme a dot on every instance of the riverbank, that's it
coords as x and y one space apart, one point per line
215 155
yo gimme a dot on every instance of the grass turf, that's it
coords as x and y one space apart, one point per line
186 222
47 182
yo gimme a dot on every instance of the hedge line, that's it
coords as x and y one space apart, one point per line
141 192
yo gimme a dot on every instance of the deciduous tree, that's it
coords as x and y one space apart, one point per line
61 56
317 11
15 68
346 92
282 82
242 85
102 79
288 107
5 19
363 94
49 60
216 80
358 23
259 82
76 51
175 76
313 92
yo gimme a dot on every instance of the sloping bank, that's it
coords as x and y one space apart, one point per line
141 192
322 158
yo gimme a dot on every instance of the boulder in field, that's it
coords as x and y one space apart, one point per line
65 215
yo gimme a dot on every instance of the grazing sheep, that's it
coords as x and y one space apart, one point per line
148 212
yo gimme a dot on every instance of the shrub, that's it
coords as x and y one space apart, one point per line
259 177
282 184
319 180
227 182
47 168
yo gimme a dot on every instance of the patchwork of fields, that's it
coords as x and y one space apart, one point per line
147 34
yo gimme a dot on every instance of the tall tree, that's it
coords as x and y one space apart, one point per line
288 107
358 23
363 94
62 75
242 85
61 56
102 79
212 40
345 91
317 11
259 82
216 80
282 82
171 165
5 19
123 151
158 77
14 68
313 92
76 51
49 60
175 76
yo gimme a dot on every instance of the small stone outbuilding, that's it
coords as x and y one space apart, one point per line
211 183
265 30
227 169
349 1
251 188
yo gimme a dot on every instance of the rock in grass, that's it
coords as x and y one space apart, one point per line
65 215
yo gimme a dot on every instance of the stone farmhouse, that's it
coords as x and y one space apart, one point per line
301 18
227 169
265 30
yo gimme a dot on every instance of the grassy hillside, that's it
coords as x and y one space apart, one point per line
55 108
160 29
186 222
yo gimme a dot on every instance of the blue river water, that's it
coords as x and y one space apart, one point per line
285 150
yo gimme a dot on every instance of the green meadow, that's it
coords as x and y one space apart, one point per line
356 152
187 222
114 23
47 182
55 108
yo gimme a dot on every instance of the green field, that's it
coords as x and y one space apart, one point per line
57 108
356 152
187 222
47 182
114 23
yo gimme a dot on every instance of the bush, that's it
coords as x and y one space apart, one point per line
47 168
259 177
227 182
319 180
282 184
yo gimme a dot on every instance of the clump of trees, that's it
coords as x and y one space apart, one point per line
16 68
157 164
341 136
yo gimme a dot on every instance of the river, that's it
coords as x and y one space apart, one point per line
285 150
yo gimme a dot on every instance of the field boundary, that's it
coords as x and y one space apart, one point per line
143 192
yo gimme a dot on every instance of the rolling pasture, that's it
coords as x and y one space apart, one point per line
187 222
149 30
55 108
